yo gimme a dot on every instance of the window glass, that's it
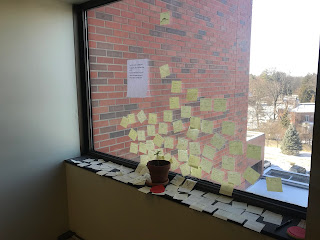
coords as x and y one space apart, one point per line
173 76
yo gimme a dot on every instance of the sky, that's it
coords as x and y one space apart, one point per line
285 36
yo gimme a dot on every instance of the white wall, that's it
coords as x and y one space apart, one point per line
38 117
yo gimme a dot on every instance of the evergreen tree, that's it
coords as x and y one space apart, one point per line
285 121
291 144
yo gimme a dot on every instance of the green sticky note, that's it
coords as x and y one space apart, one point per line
274 184
133 134
251 175
163 128
141 135
194 161
217 175
185 169
182 144
228 128
226 189
220 105
235 147
124 122
167 116
183 155
228 163
150 145
194 148
164 71
143 147
176 86
186 111
165 18
254 152
234 178
206 165
195 122
196 172
151 130
177 126
152 118
192 95
193 134
134 148
132 118
158 140
205 104
168 142
207 126
208 152
174 102
218 141
174 164
141 116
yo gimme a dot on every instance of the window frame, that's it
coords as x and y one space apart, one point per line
86 129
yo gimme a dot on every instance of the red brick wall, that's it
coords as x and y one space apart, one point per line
206 45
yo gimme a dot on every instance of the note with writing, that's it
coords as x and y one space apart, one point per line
174 102
228 128
158 140
192 94
186 111
182 143
217 141
132 118
141 135
196 172
183 155
167 116
168 142
274 184
143 148
134 148
167 157
226 189
194 148
228 163
151 130
164 18
194 161
251 175
124 122
144 159
137 78
193 134
207 126
164 71
254 151
177 126
206 165
163 128
141 116
174 164
152 118
217 175
234 178
150 145
185 169
235 147
205 104
187 186
195 122
208 152
133 134
176 86
219 104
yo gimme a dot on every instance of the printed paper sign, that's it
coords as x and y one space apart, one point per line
137 78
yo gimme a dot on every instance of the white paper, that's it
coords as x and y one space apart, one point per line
83 164
89 160
187 186
198 206
254 209
137 78
272 217
210 208
101 173
222 214
144 189
196 193
237 218
255 226
75 161
224 199
180 196
211 196
177 180
191 200
302 224
250 216
240 205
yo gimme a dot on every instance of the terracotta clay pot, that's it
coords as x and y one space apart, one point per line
159 170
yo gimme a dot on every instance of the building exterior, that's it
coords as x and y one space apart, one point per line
303 114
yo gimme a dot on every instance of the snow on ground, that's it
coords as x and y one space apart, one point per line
285 162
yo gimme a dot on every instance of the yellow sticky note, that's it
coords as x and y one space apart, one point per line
152 118
174 164
168 142
151 154
185 169
274 184
226 189
194 148
208 152
183 155
165 18
251 175
235 147
133 134
164 71
124 122
228 163
218 141
134 148
182 144
195 122
207 126
192 95
234 178
254 152
132 118
167 157
151 130
167 116
141 135
206 165
163 128
196 172
186 111
177 126
158 140
174 102
205 104
194 161
228 128
141 116
144 159
176 86
219 104
217 175
150 145
143 148
193 134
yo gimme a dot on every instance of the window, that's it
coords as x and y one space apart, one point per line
307 118
176 77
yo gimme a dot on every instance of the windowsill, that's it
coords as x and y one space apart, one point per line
268 230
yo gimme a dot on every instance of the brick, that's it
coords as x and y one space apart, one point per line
176 31
225 59
104 16
104 60
225 50
107 116
197 36
105 46
127 14
117 134
135 49
242 22
122 114
201 32
221 14
155 33
97 52
185 70
201 71
105 31
106 74
176 15
99 81
149 1
131 106
176 59
194 60
112 11
98 67
216 54
160 28
223 1
114 54
199 16
171 8
188 65
209 24
108 129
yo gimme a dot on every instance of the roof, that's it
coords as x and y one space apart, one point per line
304 108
